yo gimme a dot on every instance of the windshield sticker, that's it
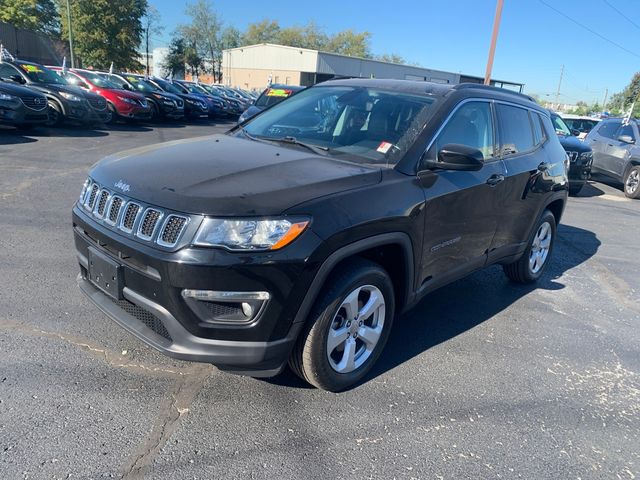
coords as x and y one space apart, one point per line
278 92
31 68
384 147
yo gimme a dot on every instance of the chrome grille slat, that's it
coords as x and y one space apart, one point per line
101 203
129 218
91 197
114 210
172 230
34 103
150 220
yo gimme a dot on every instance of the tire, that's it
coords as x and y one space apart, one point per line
523 270
575 189
335 369
632 182
55 115
155 112
113 112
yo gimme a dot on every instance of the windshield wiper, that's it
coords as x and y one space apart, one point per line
317 149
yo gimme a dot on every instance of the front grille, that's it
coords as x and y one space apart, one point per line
149 223
34 103
91 199
129 218
172 229
102 203
114 210
98 103
220 309
148 318
572 156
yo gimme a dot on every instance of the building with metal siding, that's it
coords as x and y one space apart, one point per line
254 66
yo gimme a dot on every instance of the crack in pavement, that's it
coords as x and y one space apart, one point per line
173 407
113 359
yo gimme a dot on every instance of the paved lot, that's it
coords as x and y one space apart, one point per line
484 379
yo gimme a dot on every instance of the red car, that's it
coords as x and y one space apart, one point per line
123 104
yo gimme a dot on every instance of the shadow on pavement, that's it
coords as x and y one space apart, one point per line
69 131
590 189
466 303
12 136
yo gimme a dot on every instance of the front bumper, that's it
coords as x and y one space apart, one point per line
580 170
153 309
22 116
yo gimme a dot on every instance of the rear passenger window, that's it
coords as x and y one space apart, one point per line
609 129
516 135
538 135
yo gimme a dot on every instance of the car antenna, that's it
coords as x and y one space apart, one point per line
111 69
64 65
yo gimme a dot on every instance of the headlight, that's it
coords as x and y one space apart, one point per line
83 192
128 100
7 97
71 97
242 235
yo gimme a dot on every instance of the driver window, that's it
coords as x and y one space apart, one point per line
470 125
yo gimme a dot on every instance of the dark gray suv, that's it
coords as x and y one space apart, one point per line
616 152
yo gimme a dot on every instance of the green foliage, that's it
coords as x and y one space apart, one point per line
181 53
203 33
348 42
391 58
266 31
37 15
105 31
230 38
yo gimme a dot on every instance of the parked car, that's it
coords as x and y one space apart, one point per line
194 106
288 241
271 95
22 107
616 152
215 106
123 104
580 123
579 153
163 104
66 103
227 108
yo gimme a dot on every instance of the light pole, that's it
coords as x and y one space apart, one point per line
73 58
494 39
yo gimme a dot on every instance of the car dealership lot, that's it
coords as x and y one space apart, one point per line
483 379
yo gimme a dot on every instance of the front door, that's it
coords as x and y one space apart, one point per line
619 150
461 212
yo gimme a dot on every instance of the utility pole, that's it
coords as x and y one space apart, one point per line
147 50
559 84
494 39
73 59
604 102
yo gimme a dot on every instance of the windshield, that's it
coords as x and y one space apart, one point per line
271 96
210 90
193 88
168 86
40 74
366 124
99 81
140 84
580 124
560 127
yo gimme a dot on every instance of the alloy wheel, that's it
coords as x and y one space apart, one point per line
633 180
540 247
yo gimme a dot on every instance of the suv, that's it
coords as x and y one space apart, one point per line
194 106
299 236
580 124
22 107
65 101
616 153
122 104
271 95
580 154
163 104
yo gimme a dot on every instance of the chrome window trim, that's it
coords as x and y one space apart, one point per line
160 242
121 226
139 234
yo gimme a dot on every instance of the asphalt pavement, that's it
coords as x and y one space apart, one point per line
483 379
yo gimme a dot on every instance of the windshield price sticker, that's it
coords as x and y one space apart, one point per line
384 147
31 68
278 92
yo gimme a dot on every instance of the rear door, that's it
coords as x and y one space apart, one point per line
522 140
461 206
618 152
601 140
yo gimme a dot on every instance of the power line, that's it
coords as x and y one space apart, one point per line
622 15
589 29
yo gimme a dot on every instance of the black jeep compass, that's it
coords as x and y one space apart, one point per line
298 237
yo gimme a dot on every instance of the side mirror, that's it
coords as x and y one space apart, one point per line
453 156
126 86
626 139
575 133
17 78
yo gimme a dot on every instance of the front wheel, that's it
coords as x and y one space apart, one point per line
632 182
55 115
348 327
535 258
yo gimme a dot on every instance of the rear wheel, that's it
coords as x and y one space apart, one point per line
632 182
535 258
348 327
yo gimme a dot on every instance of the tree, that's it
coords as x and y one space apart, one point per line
37 15
151 26
350 43
616 103
391 58
266 31
204 32
230 38
105 31
174 62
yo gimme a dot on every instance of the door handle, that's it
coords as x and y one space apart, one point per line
544 166
495 179
610 144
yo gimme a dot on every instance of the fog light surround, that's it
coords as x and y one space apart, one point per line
228 308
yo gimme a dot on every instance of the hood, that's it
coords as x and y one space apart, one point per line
18 90
56 88
119 92
226 176
573 144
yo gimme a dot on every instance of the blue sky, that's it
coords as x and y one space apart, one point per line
454 35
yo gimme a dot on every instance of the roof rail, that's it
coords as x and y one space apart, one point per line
462 86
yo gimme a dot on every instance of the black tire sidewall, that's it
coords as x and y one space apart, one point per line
319 371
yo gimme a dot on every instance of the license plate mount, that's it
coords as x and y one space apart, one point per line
105 273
